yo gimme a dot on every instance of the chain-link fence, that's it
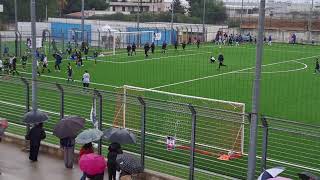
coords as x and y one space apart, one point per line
201 134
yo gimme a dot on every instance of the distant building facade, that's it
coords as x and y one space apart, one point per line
132 6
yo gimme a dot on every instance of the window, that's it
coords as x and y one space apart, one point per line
123 8
113 8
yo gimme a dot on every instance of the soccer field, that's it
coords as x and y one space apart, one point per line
289 88
289 91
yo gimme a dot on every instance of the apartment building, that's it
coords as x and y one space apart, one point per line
131 6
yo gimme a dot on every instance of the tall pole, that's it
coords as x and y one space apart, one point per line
172 17
82 20
16 15
34 49
256 96
241 14
204 20
138 22
310 22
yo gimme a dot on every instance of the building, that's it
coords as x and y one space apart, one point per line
131 6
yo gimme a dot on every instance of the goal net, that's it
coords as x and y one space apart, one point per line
122 39
220 124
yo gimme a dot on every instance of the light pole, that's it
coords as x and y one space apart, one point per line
82 20
241 14
34 116
172 17
16 15
256 96
138 22
310 22
203 20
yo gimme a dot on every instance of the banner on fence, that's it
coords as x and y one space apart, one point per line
157 36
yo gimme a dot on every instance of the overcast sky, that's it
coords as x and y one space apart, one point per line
292 1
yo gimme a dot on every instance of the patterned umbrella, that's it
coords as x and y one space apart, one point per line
92 164
271 173
120 135
69 127
129 164
89 135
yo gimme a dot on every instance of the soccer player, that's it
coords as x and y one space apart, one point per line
58 61
198 43
95 56
153 47
14 66
221 59
183 45
24 60
270 40
134 47
86 51
176 45
317 69
164 47
129 50
6 51
86 79
146 49
45 64
69 72
212 59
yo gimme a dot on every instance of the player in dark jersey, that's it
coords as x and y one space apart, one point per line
24 60
14 66
221 59
95 56
183 45
198 43
176 45
69 73
153 47
164 47
134 47
129 48
146 49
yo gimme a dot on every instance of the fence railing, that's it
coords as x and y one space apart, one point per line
200 132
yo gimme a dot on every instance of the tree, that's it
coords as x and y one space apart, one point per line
71 6
178 7
215 10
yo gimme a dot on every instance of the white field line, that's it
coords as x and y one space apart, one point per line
54 77
276 72
230 72
269 159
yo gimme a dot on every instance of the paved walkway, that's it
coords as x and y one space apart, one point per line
15 165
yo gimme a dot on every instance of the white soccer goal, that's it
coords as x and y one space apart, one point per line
223 121
122 39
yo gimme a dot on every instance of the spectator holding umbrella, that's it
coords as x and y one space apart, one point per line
85 149
93 165
67 129
35 135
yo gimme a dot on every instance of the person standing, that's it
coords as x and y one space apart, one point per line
14 66
198 43
270 40
45 64
221 59
129 50
86 79
69 72
85 149
35 135
134 47
153 47
24 60
68 151
112 163
146 49
183 45
164 47
57 62
176 45
317 68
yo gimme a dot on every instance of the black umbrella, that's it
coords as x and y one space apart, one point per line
35 117
69 127
120 135
129 164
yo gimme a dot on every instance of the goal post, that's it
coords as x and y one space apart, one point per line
122 39
222 119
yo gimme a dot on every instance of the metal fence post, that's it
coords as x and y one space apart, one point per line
193 141
97 93
143 129
61 100
0 46
264 143
26 83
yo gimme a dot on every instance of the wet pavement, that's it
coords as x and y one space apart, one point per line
15 165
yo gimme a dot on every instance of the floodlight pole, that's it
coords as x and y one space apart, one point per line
310 22
256 96
203 20
16 15
34 49
172 17
82 20
241 14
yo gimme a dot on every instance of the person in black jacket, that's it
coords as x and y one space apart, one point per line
68 147
129 50
221 59
134 47
112 163
35 135
153 47
146 49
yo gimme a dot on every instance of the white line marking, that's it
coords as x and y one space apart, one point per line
286 71
231 72
54 77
